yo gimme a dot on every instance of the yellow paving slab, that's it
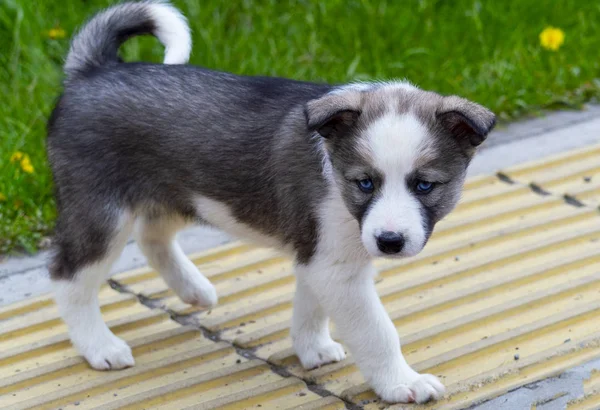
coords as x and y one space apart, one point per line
507 292
176 366
576 174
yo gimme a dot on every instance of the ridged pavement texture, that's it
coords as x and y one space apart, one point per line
506 293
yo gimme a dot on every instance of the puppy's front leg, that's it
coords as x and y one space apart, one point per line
310 330
347 294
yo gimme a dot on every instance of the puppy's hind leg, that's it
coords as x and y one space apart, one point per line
156 238
87 245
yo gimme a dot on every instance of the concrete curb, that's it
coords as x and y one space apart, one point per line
23 277
550 394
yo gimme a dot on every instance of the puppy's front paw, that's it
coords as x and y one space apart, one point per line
108 354
427 387
319 354
423 388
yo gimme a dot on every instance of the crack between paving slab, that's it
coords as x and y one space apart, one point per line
548 400
505 178
186 320
572 200
537 189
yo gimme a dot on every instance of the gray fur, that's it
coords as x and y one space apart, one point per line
150 138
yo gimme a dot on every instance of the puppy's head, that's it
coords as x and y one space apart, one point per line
399 156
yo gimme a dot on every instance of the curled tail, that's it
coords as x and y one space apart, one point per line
98 42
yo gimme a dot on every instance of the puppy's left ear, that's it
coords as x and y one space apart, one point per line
333 115
469 123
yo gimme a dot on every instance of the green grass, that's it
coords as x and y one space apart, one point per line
486 51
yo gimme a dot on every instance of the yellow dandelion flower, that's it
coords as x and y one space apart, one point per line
26 165
2 197
552 38
16 156
56 33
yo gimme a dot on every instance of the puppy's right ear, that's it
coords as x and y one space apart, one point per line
333 115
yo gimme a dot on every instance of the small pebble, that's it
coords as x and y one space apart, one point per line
517 357
587 179
45 243
567 340
301 394
238 361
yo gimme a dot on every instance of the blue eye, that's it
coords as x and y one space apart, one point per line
424 187
366 185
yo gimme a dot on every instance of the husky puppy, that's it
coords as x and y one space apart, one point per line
333 175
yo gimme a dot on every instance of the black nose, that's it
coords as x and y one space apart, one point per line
390 242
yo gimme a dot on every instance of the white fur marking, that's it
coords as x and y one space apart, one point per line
394 144
172 31
78 305
339 233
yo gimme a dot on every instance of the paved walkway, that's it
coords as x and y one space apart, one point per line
506 294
